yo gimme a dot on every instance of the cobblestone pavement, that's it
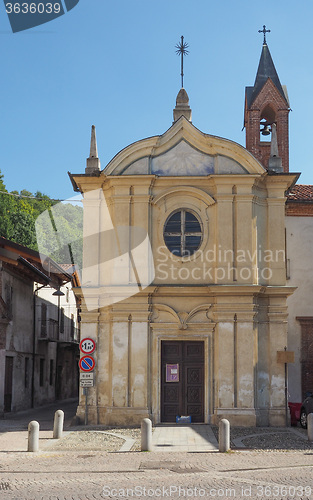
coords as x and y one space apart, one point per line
65 471
98 475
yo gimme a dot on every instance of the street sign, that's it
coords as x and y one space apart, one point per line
86 383
87 363
285 357
87 346
86 376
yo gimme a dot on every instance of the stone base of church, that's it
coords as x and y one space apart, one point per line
91 417
236 416
123 417
274 417
271 417
251 417
113 415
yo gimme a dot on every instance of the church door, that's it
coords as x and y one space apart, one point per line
182 380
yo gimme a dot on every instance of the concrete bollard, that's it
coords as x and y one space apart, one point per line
310 426
224 435
33 436
146 435
58 424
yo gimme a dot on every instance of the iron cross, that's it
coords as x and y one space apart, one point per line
264 31
182 51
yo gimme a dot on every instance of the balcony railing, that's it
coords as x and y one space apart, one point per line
49 330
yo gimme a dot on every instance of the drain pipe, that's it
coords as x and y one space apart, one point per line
34 344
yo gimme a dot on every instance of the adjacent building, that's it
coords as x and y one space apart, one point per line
38 330
299 267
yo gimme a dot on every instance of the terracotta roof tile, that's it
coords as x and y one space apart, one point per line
66 267
301 192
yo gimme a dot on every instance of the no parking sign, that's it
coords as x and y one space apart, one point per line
87 363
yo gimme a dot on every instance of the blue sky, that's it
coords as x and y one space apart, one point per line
113 64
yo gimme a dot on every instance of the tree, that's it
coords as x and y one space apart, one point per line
19 212
6 208
2 185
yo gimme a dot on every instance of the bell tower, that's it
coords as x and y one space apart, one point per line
267 104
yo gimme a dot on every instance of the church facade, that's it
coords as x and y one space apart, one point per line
184 274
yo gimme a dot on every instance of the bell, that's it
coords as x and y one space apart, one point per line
266 130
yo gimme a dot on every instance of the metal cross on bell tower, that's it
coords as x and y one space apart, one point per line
264 31
182 51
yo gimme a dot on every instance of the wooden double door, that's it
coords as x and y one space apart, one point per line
182 380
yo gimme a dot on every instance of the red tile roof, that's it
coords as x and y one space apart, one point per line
301 192
66 267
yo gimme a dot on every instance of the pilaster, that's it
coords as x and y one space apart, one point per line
278 322
91 236
245 260
224 238
234 341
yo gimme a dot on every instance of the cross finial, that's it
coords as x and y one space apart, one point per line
264 31
182 51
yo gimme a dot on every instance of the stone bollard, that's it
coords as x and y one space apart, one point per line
224 435
310 426
33 436
146 435
58 424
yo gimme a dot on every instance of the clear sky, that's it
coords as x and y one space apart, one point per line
113 64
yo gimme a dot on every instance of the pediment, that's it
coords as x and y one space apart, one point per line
183 151
182 159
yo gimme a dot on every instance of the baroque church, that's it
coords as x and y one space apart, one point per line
192 283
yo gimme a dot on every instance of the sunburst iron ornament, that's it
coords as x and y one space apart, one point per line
182 51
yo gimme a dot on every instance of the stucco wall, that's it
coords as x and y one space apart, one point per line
299 236
19 336
18 332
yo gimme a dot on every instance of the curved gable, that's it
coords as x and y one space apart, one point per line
183 151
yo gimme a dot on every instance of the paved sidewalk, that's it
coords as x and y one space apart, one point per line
193 468
44 415
13 428
98 475
191 438
90 474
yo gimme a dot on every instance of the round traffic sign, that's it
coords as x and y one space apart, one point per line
87 363
87 346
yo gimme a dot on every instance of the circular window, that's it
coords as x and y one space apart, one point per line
182 233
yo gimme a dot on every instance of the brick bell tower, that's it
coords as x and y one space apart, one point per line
266 115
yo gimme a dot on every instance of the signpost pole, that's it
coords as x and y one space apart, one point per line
86 364
86 406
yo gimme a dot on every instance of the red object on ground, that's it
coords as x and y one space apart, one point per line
294 412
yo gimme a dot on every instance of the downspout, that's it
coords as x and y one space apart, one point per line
34 345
